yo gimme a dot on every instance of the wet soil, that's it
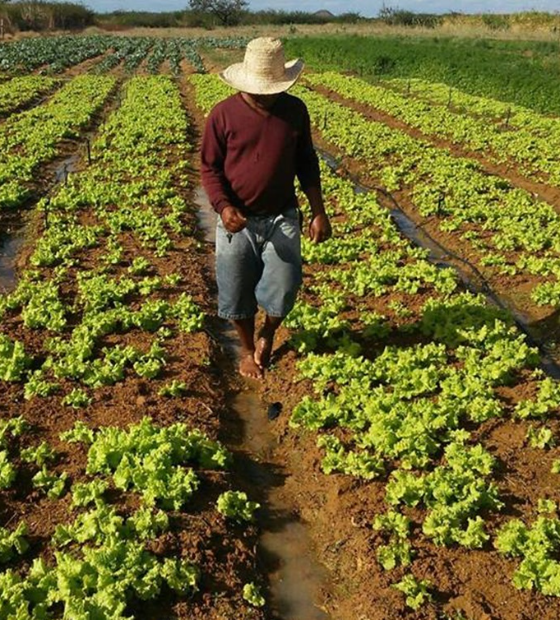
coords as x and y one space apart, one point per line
336 510
71 156
339 510
298 584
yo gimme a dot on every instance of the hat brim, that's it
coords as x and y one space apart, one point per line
236 77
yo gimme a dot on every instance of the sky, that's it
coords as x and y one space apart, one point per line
367 8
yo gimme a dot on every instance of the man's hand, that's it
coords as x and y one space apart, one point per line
233 219
320 228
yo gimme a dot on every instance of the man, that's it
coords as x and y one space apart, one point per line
255 143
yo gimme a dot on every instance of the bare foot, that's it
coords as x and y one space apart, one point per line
249 368
263 351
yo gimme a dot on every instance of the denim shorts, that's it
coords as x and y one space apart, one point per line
259 266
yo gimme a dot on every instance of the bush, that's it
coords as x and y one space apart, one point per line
398 17
140 19
496 22
37 15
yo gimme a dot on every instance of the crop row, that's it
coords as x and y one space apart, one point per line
33 137
20 91
502 112
54 54
532 141
407 418
105 302
516 71
411 416
510 230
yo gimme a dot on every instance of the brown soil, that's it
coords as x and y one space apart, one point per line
68 150
86 66
36 101
338 510
508 170
224 552
514 290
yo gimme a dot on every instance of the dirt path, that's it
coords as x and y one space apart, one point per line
299 585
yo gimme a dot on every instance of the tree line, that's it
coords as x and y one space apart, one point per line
41 15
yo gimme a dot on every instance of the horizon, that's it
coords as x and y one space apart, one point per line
337 7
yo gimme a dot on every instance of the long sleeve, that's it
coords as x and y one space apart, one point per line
250 160
307 163
212 159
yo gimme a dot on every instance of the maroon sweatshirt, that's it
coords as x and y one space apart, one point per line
250 160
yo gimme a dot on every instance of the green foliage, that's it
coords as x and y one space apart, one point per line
495 68
227 12
32 137
37 385
40 455
399 551
542 437
77 399
86 493
453 493
252 594
13 360
52 484
547 401
9 429
188 314
354 463
538 547
416 591
7 470
174 389
151 460
79 433
236 505
12 543
21 90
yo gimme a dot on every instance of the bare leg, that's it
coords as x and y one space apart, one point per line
265 340
246 331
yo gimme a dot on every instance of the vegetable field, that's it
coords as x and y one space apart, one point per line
418 439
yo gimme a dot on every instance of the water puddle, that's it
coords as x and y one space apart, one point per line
65 167
14 228
296 580
11 240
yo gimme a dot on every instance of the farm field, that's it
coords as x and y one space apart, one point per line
417 439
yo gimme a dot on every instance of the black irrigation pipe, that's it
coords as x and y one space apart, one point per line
549 365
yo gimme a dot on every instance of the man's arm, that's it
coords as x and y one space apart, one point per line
308 173
320 226
214 181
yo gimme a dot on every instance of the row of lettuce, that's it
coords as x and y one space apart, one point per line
404 416
502 133
55 54
33 138
508 230
94 309
23 90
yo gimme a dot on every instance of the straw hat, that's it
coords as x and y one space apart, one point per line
263 70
